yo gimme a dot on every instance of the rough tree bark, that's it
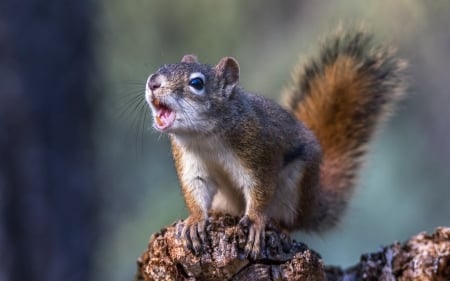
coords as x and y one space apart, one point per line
423 257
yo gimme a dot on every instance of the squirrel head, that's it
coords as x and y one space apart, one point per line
185 97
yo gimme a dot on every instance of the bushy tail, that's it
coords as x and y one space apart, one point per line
343 95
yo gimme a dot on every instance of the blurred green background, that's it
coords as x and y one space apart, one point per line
405 186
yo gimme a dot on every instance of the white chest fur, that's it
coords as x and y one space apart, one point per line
227 186
224 177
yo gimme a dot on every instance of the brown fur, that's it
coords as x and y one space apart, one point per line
194 209
342 97
244 154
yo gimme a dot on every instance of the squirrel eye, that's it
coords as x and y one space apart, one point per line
197 83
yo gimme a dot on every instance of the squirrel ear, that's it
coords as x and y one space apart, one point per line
228 69
189 59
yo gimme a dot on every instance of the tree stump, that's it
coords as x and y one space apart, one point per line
423 257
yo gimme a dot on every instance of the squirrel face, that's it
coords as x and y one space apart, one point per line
185 97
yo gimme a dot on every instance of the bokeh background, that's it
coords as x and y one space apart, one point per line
84 180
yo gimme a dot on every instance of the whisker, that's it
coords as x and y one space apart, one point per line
143 114
128 106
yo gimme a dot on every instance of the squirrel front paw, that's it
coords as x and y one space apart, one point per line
255 235
193 233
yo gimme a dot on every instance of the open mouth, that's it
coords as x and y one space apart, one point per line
164 116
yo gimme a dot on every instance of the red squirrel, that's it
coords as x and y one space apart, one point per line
241 153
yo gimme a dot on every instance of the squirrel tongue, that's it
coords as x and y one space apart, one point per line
164 117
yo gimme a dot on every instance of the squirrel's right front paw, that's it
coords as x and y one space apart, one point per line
193 233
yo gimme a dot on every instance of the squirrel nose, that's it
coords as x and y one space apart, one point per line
154 83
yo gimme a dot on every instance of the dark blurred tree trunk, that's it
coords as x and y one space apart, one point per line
48 203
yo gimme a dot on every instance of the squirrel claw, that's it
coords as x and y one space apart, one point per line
255 237
193 234
244 223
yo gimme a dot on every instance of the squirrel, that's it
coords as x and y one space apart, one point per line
295 165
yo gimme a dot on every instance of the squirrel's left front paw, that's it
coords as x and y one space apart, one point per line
255 236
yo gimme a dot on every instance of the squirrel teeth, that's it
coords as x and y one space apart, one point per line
164 117
159 122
